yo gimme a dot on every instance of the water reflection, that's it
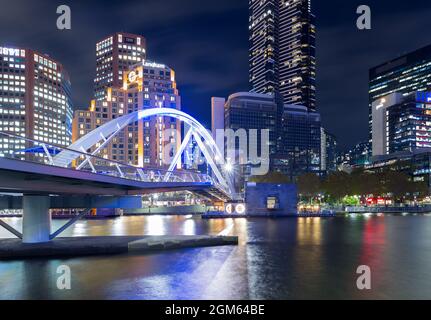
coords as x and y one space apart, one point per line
309 231
189 227
155 226
275 259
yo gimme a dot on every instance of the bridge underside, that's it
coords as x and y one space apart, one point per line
33 178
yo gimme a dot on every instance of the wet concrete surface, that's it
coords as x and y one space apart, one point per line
11 249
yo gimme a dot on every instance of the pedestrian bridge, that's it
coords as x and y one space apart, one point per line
45 170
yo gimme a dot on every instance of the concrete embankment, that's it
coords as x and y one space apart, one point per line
11 249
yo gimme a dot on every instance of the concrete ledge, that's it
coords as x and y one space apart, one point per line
11 249
155 243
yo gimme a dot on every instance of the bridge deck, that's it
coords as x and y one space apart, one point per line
17 176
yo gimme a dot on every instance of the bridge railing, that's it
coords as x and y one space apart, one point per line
25 149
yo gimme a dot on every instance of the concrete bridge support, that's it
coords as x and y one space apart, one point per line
36 225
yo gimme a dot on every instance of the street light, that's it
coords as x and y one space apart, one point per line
228 167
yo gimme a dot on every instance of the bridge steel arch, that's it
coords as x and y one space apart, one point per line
110 129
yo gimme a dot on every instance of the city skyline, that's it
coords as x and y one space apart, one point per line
214 156
212 62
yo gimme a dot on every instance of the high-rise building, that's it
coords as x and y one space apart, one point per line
144 143
406 74
263 46
299 147
246 110
295 135
401 123
35 101
282 54
114 55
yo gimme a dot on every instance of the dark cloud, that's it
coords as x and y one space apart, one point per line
206 42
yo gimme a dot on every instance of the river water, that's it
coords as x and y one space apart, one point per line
276 259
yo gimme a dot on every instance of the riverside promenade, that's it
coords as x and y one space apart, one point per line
388 209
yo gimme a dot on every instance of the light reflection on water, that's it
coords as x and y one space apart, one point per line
275 259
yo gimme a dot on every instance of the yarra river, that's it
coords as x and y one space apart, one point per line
276 259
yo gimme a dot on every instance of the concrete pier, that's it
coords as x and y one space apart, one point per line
36 224
12 249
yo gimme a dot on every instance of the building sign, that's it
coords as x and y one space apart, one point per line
237 208
129 40
153 65
134 77
423 97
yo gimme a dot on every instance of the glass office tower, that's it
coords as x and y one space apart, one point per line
401 123
406 74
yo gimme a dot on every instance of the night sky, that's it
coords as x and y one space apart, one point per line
206 43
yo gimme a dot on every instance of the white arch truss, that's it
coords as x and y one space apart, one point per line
107 131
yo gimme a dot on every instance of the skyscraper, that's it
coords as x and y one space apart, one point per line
114 55
263 42
145 85
35 101
282 56
406 74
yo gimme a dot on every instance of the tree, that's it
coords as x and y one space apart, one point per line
396 183
365 183
271 177
309 185
351 201
337 185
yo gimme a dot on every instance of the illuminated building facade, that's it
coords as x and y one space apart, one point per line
149 142
263 53
35 101
401 123
405 75
114 56
282 55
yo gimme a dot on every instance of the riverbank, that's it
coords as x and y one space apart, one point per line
12 249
